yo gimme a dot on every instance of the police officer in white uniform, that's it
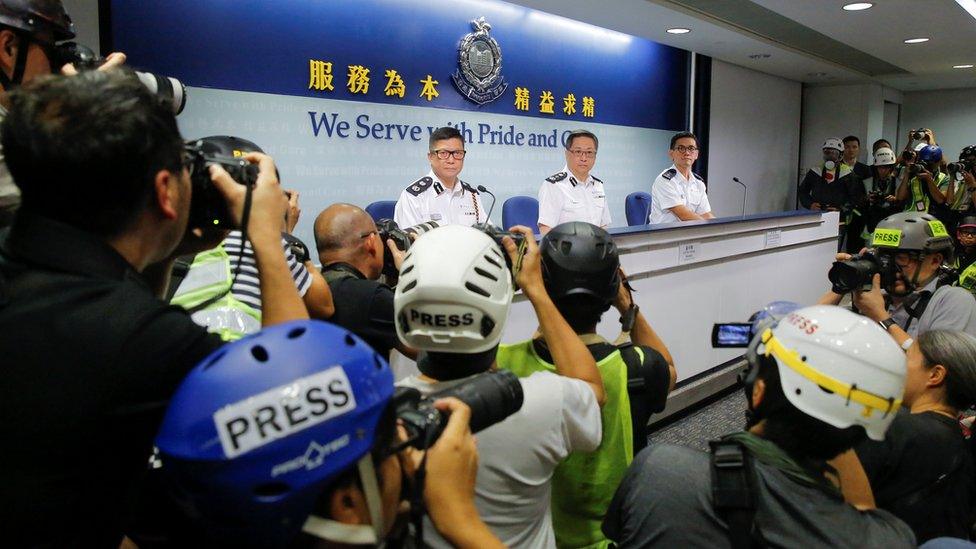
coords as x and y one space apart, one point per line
573 194
678 194
440 196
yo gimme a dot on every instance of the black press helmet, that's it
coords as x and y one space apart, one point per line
45 20
580 259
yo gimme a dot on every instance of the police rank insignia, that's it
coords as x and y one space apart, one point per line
479 65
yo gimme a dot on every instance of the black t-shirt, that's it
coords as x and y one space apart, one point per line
665 500
862 170
905 468
844 191
90 358
364 307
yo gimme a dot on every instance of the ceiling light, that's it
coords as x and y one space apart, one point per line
858 6
962 66
678 30
916 40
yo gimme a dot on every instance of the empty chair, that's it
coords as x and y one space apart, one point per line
521 210
638 208
382 209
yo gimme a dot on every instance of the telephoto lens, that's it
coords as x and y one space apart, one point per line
857 273
387 229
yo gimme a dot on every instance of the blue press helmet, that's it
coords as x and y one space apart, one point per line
258 430
930 154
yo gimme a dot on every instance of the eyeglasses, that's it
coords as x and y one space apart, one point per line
444 153
684 149
580 153
367 234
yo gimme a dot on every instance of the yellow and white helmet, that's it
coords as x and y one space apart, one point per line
835 366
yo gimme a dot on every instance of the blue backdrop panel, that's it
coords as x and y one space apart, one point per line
265 46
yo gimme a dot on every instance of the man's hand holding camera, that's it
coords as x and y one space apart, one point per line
871 303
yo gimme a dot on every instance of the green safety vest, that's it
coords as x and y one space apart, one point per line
210 275
584 483
967 278
920 196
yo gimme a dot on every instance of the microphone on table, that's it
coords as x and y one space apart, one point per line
744 191
483 189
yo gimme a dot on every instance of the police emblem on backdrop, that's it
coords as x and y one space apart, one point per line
479 71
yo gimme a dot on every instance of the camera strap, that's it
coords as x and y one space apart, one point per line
417 507
11 82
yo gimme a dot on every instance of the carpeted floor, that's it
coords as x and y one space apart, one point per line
721 417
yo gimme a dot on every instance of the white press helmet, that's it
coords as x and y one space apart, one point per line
835 366
884 157
833 143
454 292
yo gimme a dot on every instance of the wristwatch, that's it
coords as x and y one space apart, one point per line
886 323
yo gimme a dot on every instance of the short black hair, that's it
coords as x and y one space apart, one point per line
850 138
84 150
800 435
581 133
682 135
582 312
441 134
877 145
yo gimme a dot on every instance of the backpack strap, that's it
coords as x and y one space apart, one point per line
732 491
639 383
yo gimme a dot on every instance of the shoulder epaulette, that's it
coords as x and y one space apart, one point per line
698 177
468 187
597 179
420 185
669 173
556 177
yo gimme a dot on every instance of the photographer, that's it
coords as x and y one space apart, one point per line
330 478
818 381
883 185
962 184
581 271
923 184
833 186
454 309
91 354
351 252
909 251
28 32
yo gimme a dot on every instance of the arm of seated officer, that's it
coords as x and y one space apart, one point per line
872 305
569 355
280 301
642 333
685 214
452 468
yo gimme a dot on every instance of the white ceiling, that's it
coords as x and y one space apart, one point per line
878 31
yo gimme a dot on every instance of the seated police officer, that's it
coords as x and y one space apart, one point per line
911 249
221 288
351 252
453 308
91 354
818 380
582 276
441 196
679 194
573 193
321 466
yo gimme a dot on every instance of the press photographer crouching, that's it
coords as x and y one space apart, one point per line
90 352
453 307
289 438
901 283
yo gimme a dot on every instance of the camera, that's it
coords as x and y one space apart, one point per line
83 58
907 156
959 167
497 235
857 273
208 209
917 168
918 134
492 396
387 229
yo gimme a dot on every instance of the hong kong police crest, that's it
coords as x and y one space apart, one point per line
479 71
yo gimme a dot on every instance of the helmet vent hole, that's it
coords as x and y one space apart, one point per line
407 269
350 341
271 490
477 289
803 358
259 353
485 274
410 285
296 333
798 391
565 247
378 361
492 260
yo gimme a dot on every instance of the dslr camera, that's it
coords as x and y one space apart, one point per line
959 167
388 229
83 58
492 396
497 235
208 209
919 133
857 273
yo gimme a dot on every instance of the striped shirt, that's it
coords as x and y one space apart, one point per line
247 286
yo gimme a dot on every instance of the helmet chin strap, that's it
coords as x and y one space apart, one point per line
20 65
355 534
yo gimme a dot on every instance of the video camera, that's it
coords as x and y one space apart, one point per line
492 396
208 209
857 273
740 334
83 58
